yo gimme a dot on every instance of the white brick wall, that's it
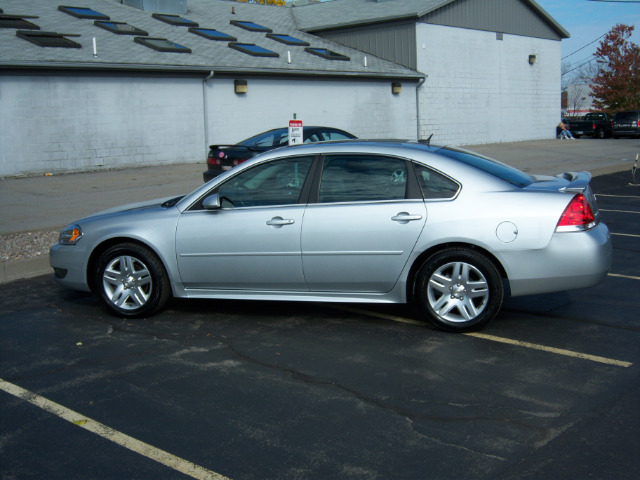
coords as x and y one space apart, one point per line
483 90
61 124
365 108
64 124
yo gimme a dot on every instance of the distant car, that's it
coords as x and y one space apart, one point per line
626 124
352 221
225 157
593 124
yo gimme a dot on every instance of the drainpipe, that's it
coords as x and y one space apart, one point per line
424 79
205 111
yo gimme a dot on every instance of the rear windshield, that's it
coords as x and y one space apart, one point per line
626 116
490 166
272 138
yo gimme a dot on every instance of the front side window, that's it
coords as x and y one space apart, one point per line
274 183
362 178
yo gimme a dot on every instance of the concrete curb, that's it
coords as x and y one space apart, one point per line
23 269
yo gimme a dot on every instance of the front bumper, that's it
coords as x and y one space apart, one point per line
69 266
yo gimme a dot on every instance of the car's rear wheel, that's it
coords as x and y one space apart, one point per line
459 290
131 281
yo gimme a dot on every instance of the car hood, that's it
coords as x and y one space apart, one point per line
143 205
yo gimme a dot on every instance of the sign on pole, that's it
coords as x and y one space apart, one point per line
295 132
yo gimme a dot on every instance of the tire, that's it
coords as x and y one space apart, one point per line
131 281
600 134
459 290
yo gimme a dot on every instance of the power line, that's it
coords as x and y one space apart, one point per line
590 43
579 66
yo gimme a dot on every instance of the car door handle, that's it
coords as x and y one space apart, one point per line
279 222
405 217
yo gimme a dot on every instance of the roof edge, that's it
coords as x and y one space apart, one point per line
556 26
204 70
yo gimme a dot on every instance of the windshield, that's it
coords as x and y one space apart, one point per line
490 166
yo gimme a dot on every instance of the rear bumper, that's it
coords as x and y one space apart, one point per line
570 261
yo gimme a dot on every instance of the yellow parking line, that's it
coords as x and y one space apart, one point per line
623 276
618 211
144 449
493 338
558 351
616 196
625 235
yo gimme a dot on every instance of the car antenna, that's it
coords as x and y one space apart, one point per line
427 141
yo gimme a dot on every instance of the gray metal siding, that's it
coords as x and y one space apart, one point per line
395 42
507 16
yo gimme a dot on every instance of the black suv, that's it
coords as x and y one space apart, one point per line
225 157
626 124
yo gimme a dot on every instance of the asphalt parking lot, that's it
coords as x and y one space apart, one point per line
278 390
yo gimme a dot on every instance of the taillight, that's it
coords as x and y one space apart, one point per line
577 216
213 161
238 161
593 126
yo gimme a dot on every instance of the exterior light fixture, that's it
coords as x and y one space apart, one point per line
396 88
532 59
240 86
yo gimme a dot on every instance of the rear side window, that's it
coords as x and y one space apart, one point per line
362 178
434 185
490 166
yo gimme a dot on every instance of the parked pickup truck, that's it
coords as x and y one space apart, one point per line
596 125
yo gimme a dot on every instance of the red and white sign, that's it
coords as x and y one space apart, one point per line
295 132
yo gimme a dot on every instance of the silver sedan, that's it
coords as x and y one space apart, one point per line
354 221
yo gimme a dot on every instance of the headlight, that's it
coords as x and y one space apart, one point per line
70 235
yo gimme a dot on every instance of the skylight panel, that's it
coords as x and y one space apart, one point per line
120 28
253 50
162 45
251 26
176 20
287 39
48 39
82 12
17 21
327 54
213 34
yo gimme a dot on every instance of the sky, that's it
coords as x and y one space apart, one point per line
587 20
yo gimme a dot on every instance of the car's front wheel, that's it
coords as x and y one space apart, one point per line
459 290
131 281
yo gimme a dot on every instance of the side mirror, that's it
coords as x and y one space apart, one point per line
212 202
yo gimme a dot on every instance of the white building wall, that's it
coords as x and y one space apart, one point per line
483 90
364 108
62 124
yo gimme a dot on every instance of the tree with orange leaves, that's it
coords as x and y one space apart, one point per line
617 84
